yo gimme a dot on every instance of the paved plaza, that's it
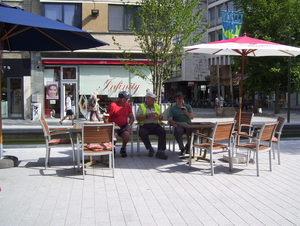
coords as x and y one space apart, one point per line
149 191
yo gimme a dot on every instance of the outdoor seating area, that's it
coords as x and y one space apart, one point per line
150 190
203 138
143 187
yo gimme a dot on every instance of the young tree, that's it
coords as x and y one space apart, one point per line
275 21
161 29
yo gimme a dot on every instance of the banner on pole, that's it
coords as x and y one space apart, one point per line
232 24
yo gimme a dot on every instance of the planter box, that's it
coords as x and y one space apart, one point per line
226 111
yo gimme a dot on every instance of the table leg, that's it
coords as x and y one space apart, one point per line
201 157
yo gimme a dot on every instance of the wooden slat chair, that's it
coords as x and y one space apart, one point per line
222 131
243 126
50 142
97 139
276 138
265 134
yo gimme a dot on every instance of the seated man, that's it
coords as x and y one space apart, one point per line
119 113
180 112
149 117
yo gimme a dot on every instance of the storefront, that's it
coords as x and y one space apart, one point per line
82 77
14 71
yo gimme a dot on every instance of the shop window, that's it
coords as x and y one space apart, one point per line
70 14
69 73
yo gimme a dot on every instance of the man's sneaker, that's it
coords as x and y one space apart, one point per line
151 152
123 152
187 151
183 151
161 154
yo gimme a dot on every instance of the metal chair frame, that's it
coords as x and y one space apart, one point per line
50 142
265 134
222 131
96 134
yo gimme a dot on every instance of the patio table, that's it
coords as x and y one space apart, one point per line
204 127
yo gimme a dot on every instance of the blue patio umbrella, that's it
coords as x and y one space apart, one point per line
25 31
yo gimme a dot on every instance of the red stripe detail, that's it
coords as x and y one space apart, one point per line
71 61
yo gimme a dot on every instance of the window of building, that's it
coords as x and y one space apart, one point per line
212 17
211 37
219 35
219 14
211 1
119 17
70 14
229 6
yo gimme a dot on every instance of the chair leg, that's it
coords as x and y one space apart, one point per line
270 159
170 138
278 152
190 158
138 145
211 163
248 157
78 156
131 139
230 158
47 159
82 162
113 164
173 145
73 156
257 165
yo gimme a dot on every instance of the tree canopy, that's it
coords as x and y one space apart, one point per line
275 21
161 29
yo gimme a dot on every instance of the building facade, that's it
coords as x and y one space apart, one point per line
28 75
80 72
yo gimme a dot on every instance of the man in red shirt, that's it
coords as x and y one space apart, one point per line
120 112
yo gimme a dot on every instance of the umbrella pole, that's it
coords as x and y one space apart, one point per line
241 84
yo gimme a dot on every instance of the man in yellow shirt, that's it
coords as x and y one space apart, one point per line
149 117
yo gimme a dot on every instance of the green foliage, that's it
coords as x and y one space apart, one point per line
275 21
161 29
